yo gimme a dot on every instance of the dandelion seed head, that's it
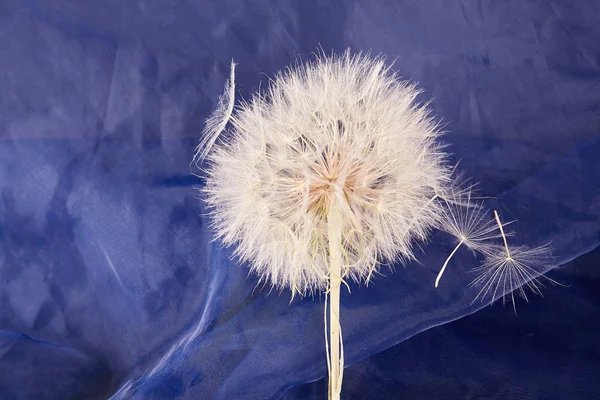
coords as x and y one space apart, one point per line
339 132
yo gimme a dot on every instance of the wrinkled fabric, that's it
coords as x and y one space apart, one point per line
550 350
111 284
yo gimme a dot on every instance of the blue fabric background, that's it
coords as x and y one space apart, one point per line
551 350
111 286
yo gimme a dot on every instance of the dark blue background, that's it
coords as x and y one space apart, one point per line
111 285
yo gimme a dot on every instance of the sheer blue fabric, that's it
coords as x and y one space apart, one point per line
111 284
549 351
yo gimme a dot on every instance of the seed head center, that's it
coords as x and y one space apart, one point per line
331 177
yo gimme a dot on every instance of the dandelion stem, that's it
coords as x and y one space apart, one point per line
437 280
336 356
502 232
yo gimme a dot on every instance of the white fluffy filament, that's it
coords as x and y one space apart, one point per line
216 123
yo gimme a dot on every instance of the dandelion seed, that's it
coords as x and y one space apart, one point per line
218 120
469 223
507 270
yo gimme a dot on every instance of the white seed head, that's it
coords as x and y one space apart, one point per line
338 132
